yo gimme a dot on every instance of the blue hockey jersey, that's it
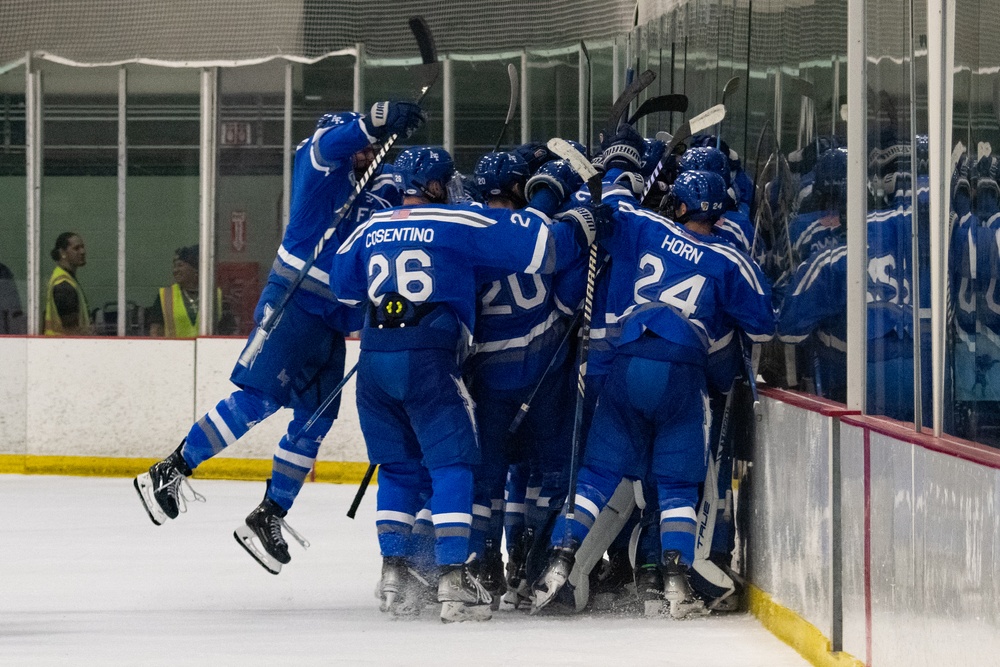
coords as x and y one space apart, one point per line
689 289
429 255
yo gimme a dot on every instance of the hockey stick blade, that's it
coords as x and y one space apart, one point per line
515 95
580 164
660 104
699 123
731 87
427 75
365 481
631 92
425 40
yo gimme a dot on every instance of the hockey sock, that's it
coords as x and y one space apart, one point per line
226 423
294 458
515 505
678 519
451 511
399 500
593 488
421 552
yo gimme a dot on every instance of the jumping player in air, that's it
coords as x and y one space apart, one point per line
296 356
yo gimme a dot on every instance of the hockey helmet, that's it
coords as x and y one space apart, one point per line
624 149
418 169
535 154
704 158
830 184
703 193
338 118
499 174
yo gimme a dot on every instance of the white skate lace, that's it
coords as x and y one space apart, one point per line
173 487
482 595
276 532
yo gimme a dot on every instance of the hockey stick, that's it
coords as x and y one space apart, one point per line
659 104
365 481
756 179
589 139
731 87
329 399
620 107
588 173
705 119
515 95
428 74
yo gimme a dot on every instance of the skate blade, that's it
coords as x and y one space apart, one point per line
680 610
144 487
652 608
245 538
458 612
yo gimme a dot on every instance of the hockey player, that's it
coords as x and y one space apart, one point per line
734 225
521 322
683 290
299 357
413 268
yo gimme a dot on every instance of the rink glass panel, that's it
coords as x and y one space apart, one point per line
553 85
973 351
13 254
482 97
79 189
249 191
161 187
13 250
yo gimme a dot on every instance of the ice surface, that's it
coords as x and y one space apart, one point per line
86 578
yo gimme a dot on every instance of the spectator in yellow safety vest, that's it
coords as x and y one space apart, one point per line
66 310
176 311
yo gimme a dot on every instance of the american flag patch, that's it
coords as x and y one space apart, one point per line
401 214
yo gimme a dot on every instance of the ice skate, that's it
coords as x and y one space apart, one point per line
401 592
680 601
261 536
518 589
491 573
552 579
160 489
649 588
462 597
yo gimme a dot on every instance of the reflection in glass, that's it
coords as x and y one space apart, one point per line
13 254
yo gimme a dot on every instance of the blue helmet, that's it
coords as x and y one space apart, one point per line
418 168
702 158
535 154
830 184
498 174
339 118
702 192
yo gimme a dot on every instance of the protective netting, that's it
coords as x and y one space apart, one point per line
199 31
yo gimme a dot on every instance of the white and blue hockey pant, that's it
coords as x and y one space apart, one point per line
655 411
415 411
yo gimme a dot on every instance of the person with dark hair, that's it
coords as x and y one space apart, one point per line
12 318
66 311
176 312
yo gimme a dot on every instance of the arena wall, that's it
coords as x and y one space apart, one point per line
868 543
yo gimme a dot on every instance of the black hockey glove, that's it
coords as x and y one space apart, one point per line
399 118
557 176
593 223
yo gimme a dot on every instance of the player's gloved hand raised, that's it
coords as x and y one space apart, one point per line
623 150
556 176
399 118
592 223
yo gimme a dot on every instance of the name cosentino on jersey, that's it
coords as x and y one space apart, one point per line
396 234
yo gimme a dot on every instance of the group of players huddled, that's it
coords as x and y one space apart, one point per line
468 293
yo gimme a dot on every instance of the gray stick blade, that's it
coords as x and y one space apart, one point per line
425 40
707 118
515 90
580 164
